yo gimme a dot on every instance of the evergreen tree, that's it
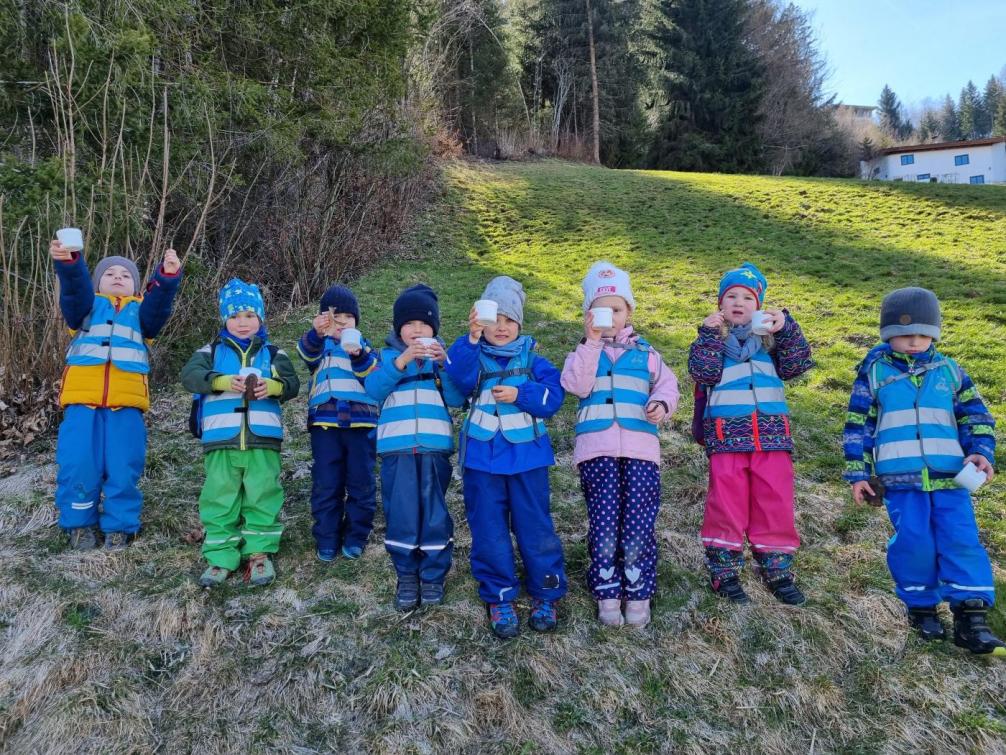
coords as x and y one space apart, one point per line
990 104
929 127
890 113
969 111
999 120
709 84
950 127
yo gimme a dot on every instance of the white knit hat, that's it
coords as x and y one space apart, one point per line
604 279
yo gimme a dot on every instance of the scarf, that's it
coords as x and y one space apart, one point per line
508 350
741 343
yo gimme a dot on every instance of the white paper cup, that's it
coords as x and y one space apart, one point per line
486 311
428 342
246 371
351 337
760 323
970 477
604 317
71 238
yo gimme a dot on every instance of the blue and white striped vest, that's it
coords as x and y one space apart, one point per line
621 391
414 415
488 417
223 413
748 387
110 336
334 378
916 426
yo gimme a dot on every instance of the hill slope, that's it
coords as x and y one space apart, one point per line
124 652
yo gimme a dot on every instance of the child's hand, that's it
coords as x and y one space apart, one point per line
982 464
504 394
436 353
322 324
778 320
860 490
474 329
171 264
592 333
59 252
715 320
413 353
353 350
655 412
261 389
237 384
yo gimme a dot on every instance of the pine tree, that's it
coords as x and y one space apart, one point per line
950 127
990 100
929 127
968 111
710 84
890 113
999 120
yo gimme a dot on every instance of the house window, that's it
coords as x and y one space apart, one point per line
907 159
961 160
922 177
976 179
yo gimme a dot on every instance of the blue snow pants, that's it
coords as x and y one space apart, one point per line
100 454
935 554
419 532
343 489
495 506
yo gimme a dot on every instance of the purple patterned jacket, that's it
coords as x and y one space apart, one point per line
755 433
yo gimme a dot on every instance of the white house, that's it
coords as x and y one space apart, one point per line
978 161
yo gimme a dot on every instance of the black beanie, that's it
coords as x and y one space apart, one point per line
341 300
418 302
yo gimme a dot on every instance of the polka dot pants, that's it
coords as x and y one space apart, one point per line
623 498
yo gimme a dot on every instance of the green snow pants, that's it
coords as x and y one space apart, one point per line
239 505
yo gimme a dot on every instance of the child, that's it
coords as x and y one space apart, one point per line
415 439
341 418
625 391
747 436
101 447
505 457
242 379
915 419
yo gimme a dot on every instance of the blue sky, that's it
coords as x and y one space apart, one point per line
921 48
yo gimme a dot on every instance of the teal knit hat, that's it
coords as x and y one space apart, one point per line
747 276
238 296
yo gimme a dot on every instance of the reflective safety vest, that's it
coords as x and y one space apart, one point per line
334 378
488 417
916 426
414 414
748 387
224 414
112 336
621 392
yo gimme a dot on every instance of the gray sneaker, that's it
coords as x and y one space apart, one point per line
83 539
116 541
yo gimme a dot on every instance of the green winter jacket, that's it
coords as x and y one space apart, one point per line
198 376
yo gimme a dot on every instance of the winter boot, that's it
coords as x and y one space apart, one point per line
503 620
609 612
352 552
116 541
730 588
83 539
325 554
213 577
431 593
407 592
725 567
259 570
637 613
776 572
971 629
927 623
544 617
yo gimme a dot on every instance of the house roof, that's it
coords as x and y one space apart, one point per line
942 145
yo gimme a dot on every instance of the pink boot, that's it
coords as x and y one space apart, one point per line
609 612
637 613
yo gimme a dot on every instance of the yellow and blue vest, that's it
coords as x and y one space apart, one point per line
621 391
334 379
488 417
225 414
414 415
916 426
746 388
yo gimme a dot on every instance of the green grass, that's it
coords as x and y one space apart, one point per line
124 652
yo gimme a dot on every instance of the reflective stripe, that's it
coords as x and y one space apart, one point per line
749 396
610 411
403 546
219 541
906 417
337 385
436 547
722 542
969 587
422 426
107 330
265 419
224 414
82 505
608 586
910 449
774 547
222 421
334 378
275 533
913 588
412 396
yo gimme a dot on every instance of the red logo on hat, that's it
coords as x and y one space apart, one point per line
602 290
606 273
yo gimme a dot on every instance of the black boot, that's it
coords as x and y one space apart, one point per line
927 623
407 592
725 567
971 630
775 569
730 588
785 590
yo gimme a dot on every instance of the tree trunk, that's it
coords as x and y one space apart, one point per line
593 81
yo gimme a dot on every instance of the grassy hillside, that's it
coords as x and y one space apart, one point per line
123 652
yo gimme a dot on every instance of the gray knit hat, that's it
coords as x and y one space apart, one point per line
509 295
908 312
106 263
